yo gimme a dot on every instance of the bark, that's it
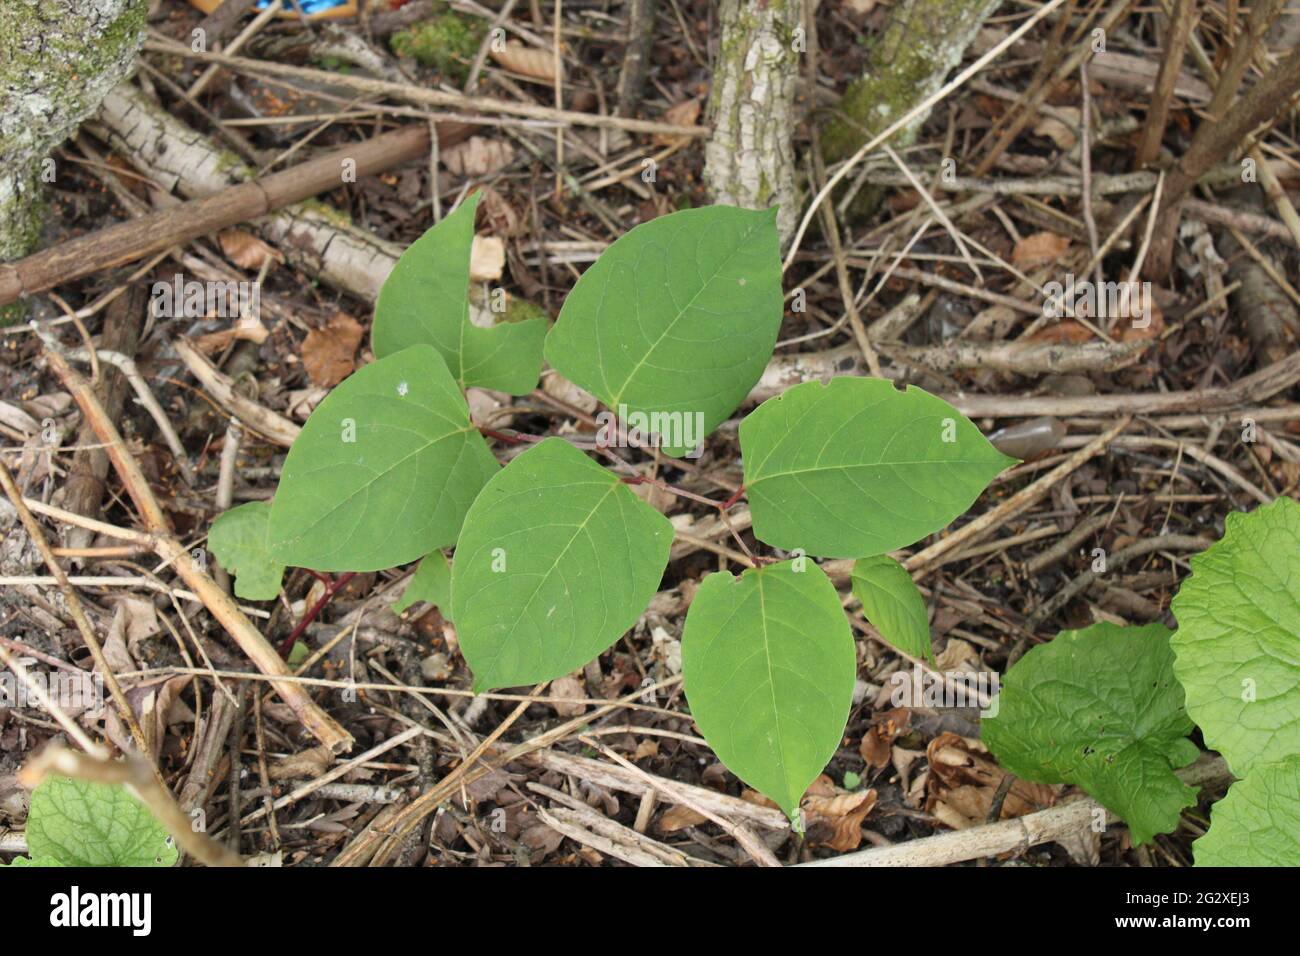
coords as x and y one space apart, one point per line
58 58
749 161
921 43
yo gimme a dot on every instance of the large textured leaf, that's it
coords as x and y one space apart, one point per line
893 605
1258 822
678 316
425 300
1238 639
857 468
1100 708
768 665
431 582
384 469
240 541
557 559
76 823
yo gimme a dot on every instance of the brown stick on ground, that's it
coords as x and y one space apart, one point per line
1175 45
128 241
1214 141
250 640
85 487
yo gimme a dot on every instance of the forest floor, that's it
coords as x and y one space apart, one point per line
1137 438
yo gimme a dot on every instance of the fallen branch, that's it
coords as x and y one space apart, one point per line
1012 836
138 238
165 544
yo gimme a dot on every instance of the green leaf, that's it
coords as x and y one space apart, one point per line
893 605
23 861
384 469
857 468
1099 708
425 300
677 317
1258 822
240 541
431 582
768 665
1238 639
557 559
77 823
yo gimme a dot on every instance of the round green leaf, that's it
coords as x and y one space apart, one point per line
1099 708
78 823
1258 822
677 317
1238 639
893 605
857 468
557 559
425 300
240 541
384 469
768 666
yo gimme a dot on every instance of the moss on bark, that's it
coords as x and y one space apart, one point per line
58 58
921 43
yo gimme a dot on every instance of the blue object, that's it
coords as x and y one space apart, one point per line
308 6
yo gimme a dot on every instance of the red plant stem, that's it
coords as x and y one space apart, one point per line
333 588
740 493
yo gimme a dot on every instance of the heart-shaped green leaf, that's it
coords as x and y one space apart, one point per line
857 468
240 541
425 300
557 559
1258 822
1238 639
384 469
677 318
768 665
431 582
77 823
893 605
1100 708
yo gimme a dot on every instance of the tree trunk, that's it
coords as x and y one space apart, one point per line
921 43
58 58
749 161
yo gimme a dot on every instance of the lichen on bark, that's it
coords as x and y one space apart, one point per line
749 161
58 59
922 41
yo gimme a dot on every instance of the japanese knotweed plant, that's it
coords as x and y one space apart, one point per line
555 556
1110 708
79 823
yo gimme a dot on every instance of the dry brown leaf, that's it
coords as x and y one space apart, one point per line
684 113
567 686
327 353
1067 332
498 215
487 259
679 817
244 249
1038 248
528 61
477 156
834 816
964 778
1152 327
1063 134
877 744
